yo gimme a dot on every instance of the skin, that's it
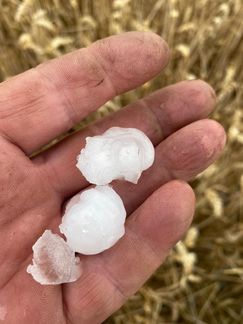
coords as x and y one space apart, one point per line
44 102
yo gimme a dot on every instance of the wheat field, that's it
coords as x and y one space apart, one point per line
202 279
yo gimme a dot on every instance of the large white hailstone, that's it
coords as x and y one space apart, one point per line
53 261
94 220
119 153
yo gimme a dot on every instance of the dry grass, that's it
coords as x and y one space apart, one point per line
202 280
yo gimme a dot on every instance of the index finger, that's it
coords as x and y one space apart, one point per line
40 104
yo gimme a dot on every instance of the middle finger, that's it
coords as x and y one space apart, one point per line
158 115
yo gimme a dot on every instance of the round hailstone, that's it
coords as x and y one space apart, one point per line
53 261
120 153
94 220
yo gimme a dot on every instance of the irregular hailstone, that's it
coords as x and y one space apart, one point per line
53 262
120 153
94 220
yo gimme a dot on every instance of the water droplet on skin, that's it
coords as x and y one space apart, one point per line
3 312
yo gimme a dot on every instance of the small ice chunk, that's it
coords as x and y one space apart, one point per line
120 153
94 220
53 261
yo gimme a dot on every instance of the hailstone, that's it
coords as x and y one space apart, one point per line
94 220
119 153
53 261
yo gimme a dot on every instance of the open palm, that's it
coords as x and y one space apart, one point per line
44 102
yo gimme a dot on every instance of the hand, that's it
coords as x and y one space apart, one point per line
40 104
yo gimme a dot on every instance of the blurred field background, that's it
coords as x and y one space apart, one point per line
202 279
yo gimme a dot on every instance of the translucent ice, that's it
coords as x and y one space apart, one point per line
120 153
53 262
94 220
